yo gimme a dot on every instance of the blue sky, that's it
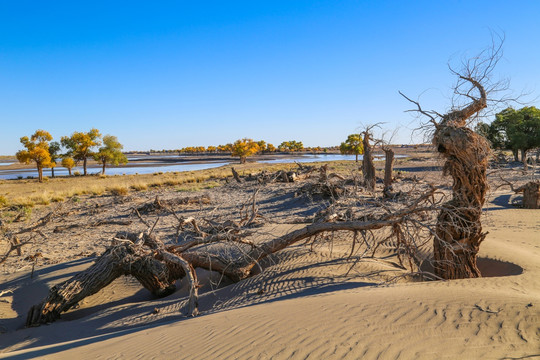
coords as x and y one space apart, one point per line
170 74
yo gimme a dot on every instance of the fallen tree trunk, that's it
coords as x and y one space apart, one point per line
153 267
157 267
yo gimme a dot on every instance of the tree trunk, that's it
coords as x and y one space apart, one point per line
69 170
356 157
236 175
388 167
124 259
103 171
40 173
531 194
52 172
458 232
84 166
524 159
368 168
516 155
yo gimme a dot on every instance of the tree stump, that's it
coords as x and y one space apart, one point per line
531 195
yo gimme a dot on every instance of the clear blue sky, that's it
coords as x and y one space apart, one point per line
170 74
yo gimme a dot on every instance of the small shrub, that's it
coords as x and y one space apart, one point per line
139 187
119 190
3 201
76 173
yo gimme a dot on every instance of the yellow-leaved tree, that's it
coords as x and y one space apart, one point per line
37 150
353 145
68 163
80 145
243 148
110 152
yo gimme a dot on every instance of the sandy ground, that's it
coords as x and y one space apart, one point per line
301 306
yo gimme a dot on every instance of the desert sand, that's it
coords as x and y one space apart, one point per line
301 306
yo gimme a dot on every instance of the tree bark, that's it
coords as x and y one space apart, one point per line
388 167
84 166
103 171
516 155
40 173
458 232
524 159
531 194
123 259
368 168
236 176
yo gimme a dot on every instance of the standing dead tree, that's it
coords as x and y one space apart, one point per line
368 168
458 232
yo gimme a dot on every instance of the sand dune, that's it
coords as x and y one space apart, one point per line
303 307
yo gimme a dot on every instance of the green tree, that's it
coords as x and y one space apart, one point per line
516 130
54 151
353 145
243 148
80 145
110 153
68 163
37 150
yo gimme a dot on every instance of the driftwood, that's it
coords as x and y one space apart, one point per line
157 266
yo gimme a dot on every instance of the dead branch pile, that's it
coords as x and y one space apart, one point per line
327 186
264 177
162 205
225 247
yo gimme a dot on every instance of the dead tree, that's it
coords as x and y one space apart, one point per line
368 168
458 232
157 266
531 193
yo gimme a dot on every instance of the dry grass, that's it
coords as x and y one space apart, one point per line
29 192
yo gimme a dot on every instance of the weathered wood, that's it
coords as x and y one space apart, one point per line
459 230
368 168
531 194
388 168
125 258
236 176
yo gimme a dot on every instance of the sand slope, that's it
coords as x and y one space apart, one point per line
302 308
